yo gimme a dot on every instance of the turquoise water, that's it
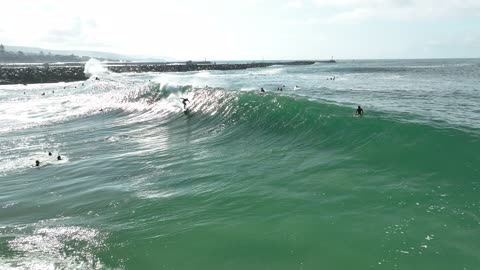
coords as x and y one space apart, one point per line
285 180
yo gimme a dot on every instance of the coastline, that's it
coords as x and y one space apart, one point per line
69 72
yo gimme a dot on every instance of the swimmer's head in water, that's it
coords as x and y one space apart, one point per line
59 157
37 163
49 153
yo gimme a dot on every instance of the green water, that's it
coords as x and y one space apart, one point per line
240 181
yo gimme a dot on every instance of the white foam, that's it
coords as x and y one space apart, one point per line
94 67
50 248
270 71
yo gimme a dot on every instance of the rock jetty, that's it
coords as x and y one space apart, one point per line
68 72
14 74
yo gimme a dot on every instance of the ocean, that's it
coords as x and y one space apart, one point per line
288 179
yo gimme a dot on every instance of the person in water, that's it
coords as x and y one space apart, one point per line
37 163
262 90
50 153
59 157
359 111
184 101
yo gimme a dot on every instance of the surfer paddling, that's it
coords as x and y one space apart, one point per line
359 111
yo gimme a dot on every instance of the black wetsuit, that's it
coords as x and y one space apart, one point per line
359 111
184 101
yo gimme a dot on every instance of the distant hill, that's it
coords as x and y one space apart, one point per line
8 56
92 54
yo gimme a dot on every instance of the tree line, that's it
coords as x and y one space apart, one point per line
21 57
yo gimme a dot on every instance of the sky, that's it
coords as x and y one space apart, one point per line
249 29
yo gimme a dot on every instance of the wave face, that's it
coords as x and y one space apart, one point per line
242 180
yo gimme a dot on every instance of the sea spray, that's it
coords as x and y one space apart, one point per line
93 67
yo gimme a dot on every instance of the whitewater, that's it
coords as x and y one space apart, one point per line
288 179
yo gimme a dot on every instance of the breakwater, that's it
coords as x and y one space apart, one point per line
68 72
27 74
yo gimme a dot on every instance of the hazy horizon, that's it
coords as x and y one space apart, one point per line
251 29
169 59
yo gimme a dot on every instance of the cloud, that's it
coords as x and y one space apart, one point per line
358 10
74 31
302 21
167 27
190 29
295 4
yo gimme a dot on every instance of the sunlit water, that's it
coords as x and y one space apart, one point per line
284 180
